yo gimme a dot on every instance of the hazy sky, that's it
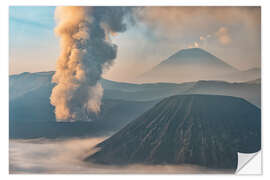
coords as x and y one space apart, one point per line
232 34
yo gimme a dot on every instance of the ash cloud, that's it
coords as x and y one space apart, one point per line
86 51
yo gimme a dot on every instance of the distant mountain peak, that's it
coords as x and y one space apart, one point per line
191 64
192 50
195 55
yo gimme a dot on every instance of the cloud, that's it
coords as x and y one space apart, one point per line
50 156
178 21
66 156
223 36
194 45
202 38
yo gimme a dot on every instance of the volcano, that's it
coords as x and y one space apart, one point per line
188 65
204 130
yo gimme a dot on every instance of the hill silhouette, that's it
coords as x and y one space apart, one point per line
188 65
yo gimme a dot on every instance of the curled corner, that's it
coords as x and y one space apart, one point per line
249 163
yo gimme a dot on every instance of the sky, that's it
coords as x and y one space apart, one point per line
33 45
230 33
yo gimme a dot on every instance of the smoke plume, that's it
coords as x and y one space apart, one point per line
86 50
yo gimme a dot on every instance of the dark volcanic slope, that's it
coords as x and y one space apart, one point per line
205 130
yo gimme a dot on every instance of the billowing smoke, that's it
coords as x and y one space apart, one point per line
86 50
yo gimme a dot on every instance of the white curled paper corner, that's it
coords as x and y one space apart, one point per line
249 164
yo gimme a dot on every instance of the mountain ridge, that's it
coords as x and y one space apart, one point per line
195 64
194 52
142 92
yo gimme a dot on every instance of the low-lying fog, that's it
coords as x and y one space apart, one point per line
66 156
